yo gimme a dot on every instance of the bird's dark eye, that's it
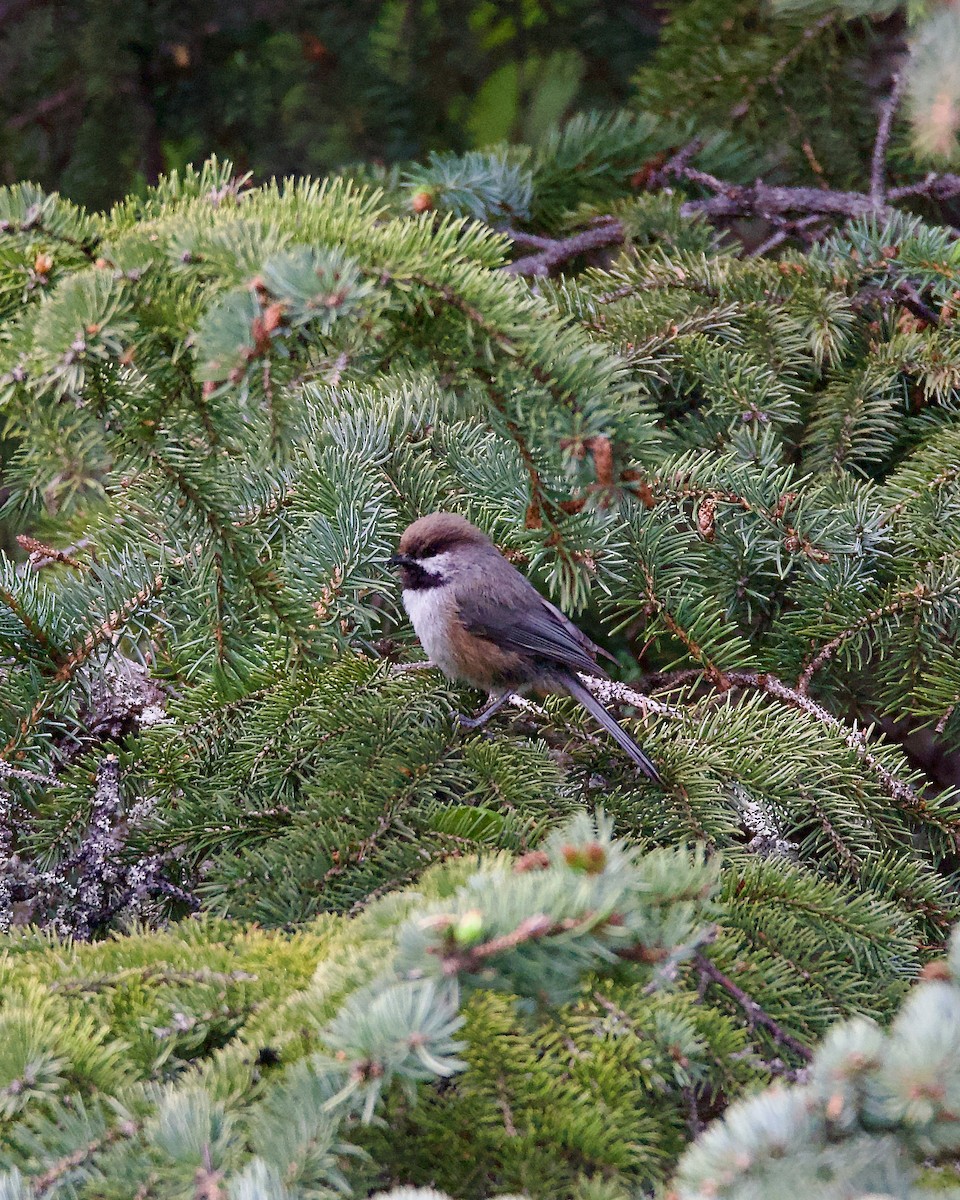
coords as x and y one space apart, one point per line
432 549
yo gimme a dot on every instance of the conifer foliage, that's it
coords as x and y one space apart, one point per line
222 403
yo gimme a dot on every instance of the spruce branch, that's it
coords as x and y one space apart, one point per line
876 1104
802 43
933 484
756 1014
472 958
264 582
52 1175
898 604
763 681
41 555
104 632
32 223
654 487
710 668
29 622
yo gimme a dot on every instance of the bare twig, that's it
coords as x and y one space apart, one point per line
856 740
945 718
525 704
406 668
41 555
931 187
674 164
904 294
45 108
339 366
910 298
787 229
878 163
96 861
530 929
761 200
551 253
529 241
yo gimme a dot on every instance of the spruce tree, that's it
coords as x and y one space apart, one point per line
277 925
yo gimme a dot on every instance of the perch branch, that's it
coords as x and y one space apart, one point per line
7 771
857 742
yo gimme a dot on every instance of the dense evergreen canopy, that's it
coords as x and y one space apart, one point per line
275 925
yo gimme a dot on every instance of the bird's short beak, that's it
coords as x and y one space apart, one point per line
398 560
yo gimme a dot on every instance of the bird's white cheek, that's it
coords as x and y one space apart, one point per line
429 611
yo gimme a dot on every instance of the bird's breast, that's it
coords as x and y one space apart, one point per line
433 615
459 654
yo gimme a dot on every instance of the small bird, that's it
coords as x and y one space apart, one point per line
483 623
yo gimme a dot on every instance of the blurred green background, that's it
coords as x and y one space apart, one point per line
99 98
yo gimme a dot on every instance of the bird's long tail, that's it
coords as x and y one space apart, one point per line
611 725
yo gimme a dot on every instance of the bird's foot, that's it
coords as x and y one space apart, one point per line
496 703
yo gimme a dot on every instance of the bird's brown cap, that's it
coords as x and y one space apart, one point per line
437 532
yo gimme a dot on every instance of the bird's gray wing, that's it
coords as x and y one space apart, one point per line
535 628
591 647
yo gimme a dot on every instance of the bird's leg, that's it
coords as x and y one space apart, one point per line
496 703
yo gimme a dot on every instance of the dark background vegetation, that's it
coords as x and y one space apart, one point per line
99 98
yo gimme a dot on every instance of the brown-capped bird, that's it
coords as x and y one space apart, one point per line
483 623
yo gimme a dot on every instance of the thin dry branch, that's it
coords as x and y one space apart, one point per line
878 164
763 200
807 228
45 108
855 739
904 294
